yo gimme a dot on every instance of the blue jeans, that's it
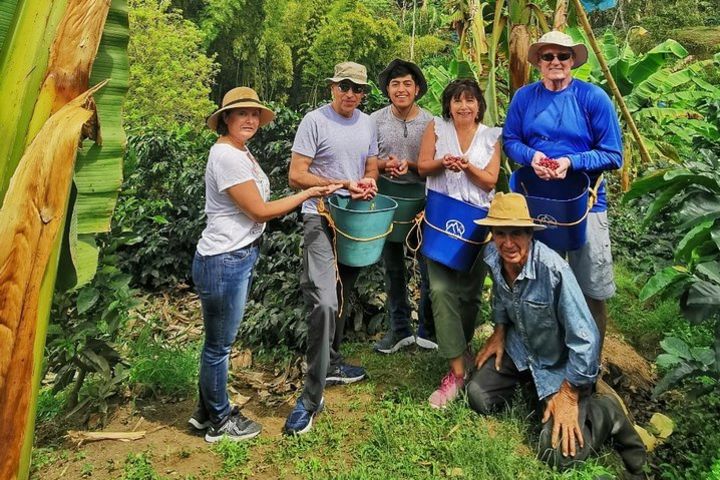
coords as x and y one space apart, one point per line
222 282
396 287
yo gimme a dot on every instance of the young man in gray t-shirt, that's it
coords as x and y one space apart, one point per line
335 143
400 127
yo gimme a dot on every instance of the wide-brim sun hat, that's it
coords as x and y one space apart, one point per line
352 71
241 97
383 79
509 210
560 39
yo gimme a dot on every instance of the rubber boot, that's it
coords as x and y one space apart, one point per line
609 422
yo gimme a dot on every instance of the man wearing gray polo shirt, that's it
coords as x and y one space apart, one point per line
335 143
400 127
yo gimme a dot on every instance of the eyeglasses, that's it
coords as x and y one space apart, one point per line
549 57
346 85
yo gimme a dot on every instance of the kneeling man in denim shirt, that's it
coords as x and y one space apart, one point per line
545 334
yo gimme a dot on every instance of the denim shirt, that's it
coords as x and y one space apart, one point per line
549 328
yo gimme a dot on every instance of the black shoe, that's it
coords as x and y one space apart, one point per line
392 342
344 374
236 427
200 420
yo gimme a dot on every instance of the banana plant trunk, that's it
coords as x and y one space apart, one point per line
519 46
46 56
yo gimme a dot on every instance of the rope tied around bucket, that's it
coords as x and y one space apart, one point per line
592 199
324 212
419 218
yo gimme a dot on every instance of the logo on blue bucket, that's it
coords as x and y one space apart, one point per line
548 220
455 227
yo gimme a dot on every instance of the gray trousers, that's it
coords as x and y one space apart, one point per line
321 293
601 417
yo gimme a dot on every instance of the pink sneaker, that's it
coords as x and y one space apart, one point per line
450 387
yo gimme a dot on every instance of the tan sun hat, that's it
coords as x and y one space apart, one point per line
241 97
352 71
560 39
509 210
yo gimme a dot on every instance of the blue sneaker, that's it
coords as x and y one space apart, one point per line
300 419
344 374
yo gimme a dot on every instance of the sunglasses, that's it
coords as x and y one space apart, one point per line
344 86
549 57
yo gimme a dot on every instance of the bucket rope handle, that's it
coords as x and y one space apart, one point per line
592 199
457 237
323 211
419 218
369 239
418 233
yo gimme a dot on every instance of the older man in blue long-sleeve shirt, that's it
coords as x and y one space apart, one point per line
575 123
545 336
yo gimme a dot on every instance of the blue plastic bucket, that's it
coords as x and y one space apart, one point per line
449 233
555 201
410 198
361 228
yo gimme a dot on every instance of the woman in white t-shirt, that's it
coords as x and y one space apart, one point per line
237 204
461 158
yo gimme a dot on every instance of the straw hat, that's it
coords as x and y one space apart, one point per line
241 97
559 39
384 80
352 71
509 210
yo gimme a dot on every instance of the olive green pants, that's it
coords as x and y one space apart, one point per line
455 298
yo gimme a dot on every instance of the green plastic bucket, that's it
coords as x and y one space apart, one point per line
361 228
410 198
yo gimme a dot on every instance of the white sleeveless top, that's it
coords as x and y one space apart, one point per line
457 184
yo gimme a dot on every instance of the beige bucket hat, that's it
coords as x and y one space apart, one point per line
352 71
509 210
559 39
241 97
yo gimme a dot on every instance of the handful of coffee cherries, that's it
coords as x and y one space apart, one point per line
550 163
455 163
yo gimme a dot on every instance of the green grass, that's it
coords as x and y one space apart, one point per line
234 455
138 466
644 326
50 404
160 368
385 430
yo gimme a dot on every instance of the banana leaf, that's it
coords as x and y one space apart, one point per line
699 208
40 184
23 61
7 12
697 235
663 281
98 174
655 59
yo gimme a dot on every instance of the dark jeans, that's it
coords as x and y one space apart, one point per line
321 291
600 417
222 282
396 287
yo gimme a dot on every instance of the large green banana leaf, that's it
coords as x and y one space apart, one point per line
98 173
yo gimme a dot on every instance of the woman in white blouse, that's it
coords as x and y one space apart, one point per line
461 158
237 204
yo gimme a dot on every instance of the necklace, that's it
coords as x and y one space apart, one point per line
404 119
